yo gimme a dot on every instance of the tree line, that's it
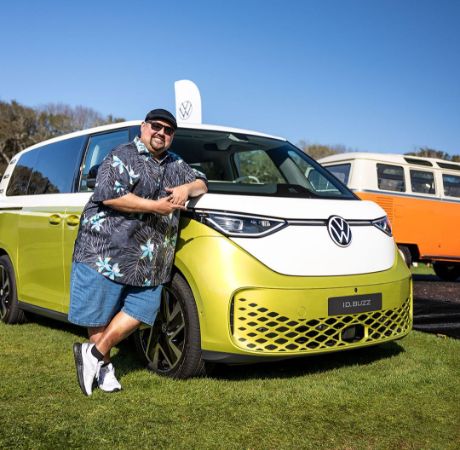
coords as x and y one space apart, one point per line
22 126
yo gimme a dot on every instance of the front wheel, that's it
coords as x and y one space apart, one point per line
406 254
172 346
9 307
447 271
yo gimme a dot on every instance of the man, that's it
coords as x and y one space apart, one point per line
125 244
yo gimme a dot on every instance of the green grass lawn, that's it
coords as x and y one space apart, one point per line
401 395
422 269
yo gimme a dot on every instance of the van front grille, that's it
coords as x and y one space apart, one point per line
257 328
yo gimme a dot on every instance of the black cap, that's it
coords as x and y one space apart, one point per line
162 114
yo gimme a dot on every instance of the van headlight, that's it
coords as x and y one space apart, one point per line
383 224
237 225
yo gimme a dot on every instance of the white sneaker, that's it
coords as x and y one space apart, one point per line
107 380
88 366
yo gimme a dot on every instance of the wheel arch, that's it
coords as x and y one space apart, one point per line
182 270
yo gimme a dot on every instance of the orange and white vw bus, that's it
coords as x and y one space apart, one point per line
421 197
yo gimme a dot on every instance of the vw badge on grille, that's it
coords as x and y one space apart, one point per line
339 231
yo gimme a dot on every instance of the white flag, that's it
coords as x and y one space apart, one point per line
188 102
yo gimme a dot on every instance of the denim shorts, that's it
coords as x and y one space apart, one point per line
95 299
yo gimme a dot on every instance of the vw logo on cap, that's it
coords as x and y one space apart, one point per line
339 231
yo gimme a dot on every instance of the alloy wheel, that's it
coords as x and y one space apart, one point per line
4 292
163 344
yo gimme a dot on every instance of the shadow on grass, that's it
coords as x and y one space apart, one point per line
425 277
126 360
80 332
296 367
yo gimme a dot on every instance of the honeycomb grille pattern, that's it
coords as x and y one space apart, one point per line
258 329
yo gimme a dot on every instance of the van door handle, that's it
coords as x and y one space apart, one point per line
73 220
55 219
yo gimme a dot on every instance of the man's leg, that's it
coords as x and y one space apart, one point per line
104 338
94 334
121 326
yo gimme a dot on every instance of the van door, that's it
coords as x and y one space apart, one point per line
41 224
40 256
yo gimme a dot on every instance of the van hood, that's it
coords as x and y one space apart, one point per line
289 208
307 249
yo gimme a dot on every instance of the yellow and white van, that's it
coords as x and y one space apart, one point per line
268 266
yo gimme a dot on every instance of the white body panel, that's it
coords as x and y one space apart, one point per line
290 208
308 250
63 201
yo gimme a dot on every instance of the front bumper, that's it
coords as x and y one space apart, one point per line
248 312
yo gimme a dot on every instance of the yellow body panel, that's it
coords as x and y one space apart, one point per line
40 257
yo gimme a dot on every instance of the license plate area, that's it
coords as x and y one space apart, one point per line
352 304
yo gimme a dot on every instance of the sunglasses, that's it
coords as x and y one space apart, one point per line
157 127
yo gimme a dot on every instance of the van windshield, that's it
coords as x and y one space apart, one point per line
245 164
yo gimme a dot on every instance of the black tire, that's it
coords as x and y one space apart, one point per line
447 271
406 254
9 308
172 347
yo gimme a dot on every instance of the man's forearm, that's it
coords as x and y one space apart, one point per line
132 203
197 188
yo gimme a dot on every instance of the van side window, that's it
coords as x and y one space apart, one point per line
422 182
340 171
451 185
49 169
99 146
390 178
56 167
22 172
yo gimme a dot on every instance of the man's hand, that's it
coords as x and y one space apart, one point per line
179 194
165 206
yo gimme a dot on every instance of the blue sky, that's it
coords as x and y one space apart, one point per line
372 75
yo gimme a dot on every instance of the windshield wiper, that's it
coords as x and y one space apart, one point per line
294 190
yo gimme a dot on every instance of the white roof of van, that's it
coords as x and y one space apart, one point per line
114 126
384 157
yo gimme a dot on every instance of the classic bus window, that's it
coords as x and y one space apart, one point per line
340 171
451 185
422 182
390 178
99 146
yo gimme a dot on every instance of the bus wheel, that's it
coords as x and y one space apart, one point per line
406 254
447 271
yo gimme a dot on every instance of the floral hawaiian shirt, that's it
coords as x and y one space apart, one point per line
136 249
